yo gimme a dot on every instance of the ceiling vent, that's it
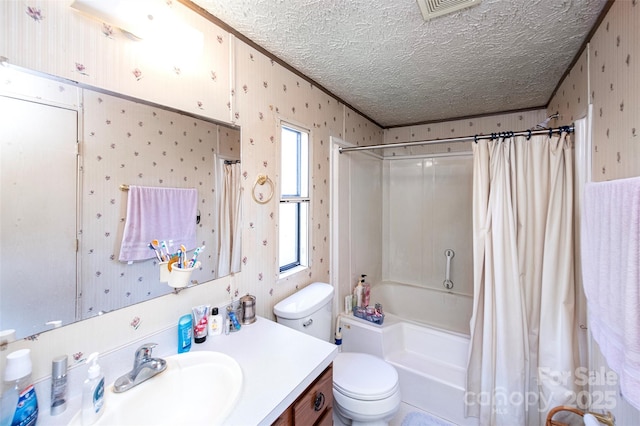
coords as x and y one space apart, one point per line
433 8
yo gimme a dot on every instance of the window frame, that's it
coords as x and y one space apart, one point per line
303 203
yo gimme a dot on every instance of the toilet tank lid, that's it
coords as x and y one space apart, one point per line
304 302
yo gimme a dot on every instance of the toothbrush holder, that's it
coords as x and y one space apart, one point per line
181 277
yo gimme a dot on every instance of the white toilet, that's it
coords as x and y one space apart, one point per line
365 387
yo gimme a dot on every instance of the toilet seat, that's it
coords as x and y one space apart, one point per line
364 377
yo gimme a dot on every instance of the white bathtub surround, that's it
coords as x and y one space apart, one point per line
522 328
427 206
431 363
432 307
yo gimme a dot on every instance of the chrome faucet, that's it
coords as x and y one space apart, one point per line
144 368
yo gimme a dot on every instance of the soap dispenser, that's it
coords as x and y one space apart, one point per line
93 392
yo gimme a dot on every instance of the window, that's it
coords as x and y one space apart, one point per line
294 198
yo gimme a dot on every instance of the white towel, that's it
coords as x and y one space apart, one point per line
611 276
160 214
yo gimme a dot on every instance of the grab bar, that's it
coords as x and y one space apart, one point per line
448 284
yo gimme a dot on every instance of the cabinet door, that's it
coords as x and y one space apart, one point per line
285 419
310 408
326 419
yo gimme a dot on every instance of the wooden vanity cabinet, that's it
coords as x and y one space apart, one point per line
314 406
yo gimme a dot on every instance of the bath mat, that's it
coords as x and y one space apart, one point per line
423 419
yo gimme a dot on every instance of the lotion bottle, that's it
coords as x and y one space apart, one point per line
93 392
215 323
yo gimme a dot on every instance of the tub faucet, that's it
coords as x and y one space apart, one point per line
144 368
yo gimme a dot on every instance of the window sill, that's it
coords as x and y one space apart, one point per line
292 271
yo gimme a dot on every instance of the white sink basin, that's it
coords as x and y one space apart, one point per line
196 388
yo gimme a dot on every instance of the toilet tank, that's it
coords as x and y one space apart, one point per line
308 310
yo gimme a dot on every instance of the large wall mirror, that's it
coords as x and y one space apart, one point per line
67 156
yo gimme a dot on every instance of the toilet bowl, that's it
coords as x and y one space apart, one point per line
365 387
365 390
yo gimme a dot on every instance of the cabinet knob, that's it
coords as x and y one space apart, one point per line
319 402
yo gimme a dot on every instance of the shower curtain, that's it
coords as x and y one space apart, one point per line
521 359
229 227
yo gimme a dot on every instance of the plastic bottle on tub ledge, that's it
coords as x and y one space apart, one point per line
366 292
357 292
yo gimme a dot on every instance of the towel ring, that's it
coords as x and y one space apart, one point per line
261 180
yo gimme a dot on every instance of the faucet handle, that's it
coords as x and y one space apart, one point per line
144 351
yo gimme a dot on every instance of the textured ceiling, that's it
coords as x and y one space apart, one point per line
383 59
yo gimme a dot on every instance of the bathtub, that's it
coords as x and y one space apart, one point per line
431 363
432 307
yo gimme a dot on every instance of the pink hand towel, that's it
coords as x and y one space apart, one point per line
160 214
611 276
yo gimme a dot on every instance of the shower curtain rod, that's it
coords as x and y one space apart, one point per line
528 133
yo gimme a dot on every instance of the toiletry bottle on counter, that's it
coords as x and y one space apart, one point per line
19 401
185 333
93 392
58 385
234 323
215 323
200 317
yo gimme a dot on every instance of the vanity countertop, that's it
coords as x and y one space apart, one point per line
277 362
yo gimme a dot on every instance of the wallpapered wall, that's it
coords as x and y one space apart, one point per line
135 144
458 128
125 142
226 80
607 75
612 85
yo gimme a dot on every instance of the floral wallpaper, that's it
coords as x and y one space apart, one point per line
458 128
48 36
189 73
265 94
612 86
615 93
130 143
572 97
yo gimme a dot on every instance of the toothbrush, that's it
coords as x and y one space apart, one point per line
183 255
192 263
156 247
164 246
156 251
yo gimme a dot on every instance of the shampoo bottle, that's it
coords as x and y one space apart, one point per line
366 292
19 400
93 392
